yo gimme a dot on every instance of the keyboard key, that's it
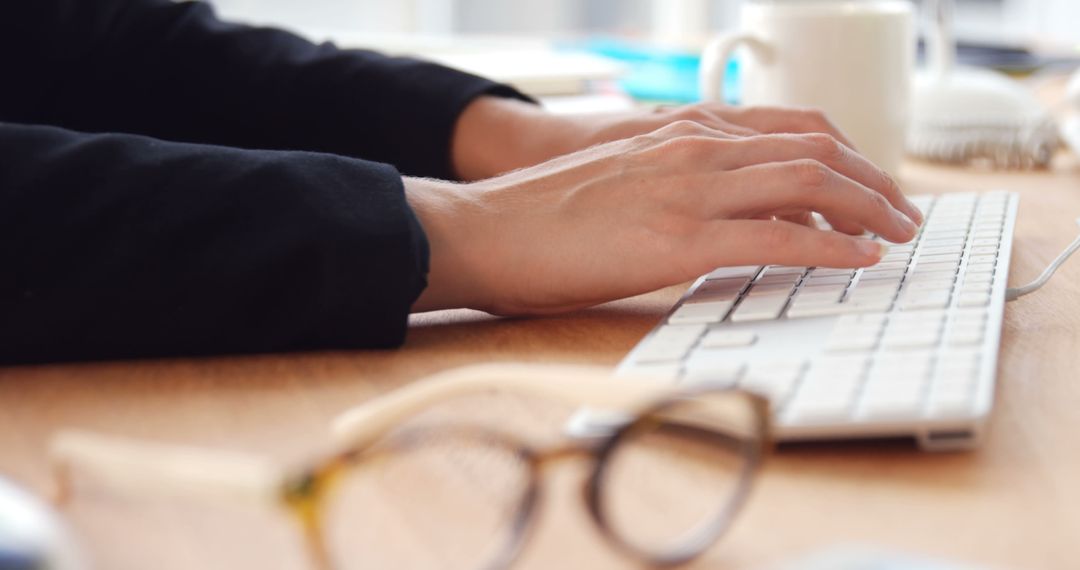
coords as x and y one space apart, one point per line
939 258
775 280
975 289
669 343
716 375
820 411
852 342
813 280
828 391
770 290
886 265
931 285
745 271
837 369
905 340
865 299
829 272
815 310
728 339
979 278
879 274
783 270
919 318
664 372
871 292
973 300
948 251
969 315
951 406
919 301
951 242
932 276
775 381
700 313
965 337
894 257
764 309
890 406
721 288
935 266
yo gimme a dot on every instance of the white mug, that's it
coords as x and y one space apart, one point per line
852 59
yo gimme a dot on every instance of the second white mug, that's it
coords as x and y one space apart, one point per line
853 59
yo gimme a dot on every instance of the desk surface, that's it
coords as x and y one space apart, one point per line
1013 503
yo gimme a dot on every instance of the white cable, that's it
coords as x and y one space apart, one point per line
1014 293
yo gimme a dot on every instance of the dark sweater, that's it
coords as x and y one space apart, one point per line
174 185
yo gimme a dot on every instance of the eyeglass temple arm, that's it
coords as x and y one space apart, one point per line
159 469
585 385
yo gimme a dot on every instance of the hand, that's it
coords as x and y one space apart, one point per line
496 135
653 210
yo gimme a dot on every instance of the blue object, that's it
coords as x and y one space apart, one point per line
659 74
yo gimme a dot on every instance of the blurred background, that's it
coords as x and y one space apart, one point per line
642 49
1003 20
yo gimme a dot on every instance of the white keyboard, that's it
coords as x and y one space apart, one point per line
907 347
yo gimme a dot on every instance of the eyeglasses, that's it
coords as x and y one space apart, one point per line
666 473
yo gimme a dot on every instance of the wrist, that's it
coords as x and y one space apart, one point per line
448 214
495 135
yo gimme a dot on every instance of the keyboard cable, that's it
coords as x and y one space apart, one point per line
1014 293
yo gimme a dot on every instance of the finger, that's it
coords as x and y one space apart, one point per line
702 114
752 242
789 187
782 120
801 218
826 149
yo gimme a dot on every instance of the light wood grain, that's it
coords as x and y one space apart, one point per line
1013 503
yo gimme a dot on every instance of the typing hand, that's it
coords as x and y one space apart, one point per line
653 210
496 135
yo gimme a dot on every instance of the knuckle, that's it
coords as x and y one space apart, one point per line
689 148
728 129
644 141
878 201
811 173
695 113
682 127
826 147
888 183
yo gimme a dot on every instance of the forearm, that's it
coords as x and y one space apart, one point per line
496 135
171 70
122 246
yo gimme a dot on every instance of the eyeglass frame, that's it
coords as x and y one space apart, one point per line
304 492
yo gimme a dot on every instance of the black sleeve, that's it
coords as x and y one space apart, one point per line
119 246
172 71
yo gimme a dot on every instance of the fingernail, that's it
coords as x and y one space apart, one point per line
909 225
874 249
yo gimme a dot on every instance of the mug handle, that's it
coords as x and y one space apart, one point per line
714 61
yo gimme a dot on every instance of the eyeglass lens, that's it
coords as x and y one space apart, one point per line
670 484
436 501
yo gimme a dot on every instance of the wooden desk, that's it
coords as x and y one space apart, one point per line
1014 503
